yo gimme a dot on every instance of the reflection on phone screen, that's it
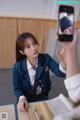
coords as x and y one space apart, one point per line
65 23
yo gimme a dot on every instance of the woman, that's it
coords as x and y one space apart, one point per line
31 78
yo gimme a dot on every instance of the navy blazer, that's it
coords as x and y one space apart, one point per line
21 79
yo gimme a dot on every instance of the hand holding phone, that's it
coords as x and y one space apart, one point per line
65 23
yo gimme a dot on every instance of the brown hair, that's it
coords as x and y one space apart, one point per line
20 44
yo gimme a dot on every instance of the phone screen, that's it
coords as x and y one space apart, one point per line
66 23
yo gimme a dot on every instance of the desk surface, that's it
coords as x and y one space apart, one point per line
44 109
56 105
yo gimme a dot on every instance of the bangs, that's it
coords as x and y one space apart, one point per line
31 39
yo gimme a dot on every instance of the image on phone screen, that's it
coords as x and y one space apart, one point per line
66 23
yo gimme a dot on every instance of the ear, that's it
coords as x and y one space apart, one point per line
21 52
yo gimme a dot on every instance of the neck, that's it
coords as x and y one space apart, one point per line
33 61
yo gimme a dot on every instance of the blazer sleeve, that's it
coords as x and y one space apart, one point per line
72 85
16 82
54 66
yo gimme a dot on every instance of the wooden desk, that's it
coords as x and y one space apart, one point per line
43 108
57 106
7 111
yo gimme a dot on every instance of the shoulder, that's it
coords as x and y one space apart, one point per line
18 64
44 55
45 58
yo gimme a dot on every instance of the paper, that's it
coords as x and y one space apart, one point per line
59 104
73 114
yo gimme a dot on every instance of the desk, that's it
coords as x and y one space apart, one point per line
57 106
37 109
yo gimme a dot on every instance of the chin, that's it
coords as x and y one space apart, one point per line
36 55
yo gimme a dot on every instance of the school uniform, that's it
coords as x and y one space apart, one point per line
41 86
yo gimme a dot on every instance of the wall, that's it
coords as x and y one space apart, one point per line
26 8
11 27
33 8
43 29
8 33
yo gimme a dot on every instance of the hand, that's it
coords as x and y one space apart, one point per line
61 55
22 105
68 31
73 44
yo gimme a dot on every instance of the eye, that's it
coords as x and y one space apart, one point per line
34 43
27 46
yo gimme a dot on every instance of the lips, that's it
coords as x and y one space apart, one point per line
35 53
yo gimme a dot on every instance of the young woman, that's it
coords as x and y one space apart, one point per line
31 78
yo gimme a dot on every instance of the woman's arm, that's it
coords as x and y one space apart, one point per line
54 66
72 63
22 103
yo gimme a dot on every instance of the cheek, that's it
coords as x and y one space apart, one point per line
37 47
26 52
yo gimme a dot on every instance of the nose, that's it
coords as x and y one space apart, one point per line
33 47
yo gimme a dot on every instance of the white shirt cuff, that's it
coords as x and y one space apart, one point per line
61 68
72 82
21 97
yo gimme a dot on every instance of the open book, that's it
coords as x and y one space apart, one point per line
46 110
73 114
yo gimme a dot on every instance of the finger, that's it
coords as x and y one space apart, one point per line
26 106
20 106
57 53
59 56
75 37
22 109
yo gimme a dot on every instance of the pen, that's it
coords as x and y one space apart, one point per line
36 113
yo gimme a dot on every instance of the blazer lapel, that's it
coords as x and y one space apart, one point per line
40 67
25 72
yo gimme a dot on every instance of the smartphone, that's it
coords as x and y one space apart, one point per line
65 23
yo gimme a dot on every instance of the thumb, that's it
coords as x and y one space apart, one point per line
26 105
58 54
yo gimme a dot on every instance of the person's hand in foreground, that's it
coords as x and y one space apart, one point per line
22 105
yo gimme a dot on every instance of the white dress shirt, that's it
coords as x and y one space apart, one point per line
31 72
72 85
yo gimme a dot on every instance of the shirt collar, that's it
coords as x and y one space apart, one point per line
29 66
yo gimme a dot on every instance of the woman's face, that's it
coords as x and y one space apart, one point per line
31 49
